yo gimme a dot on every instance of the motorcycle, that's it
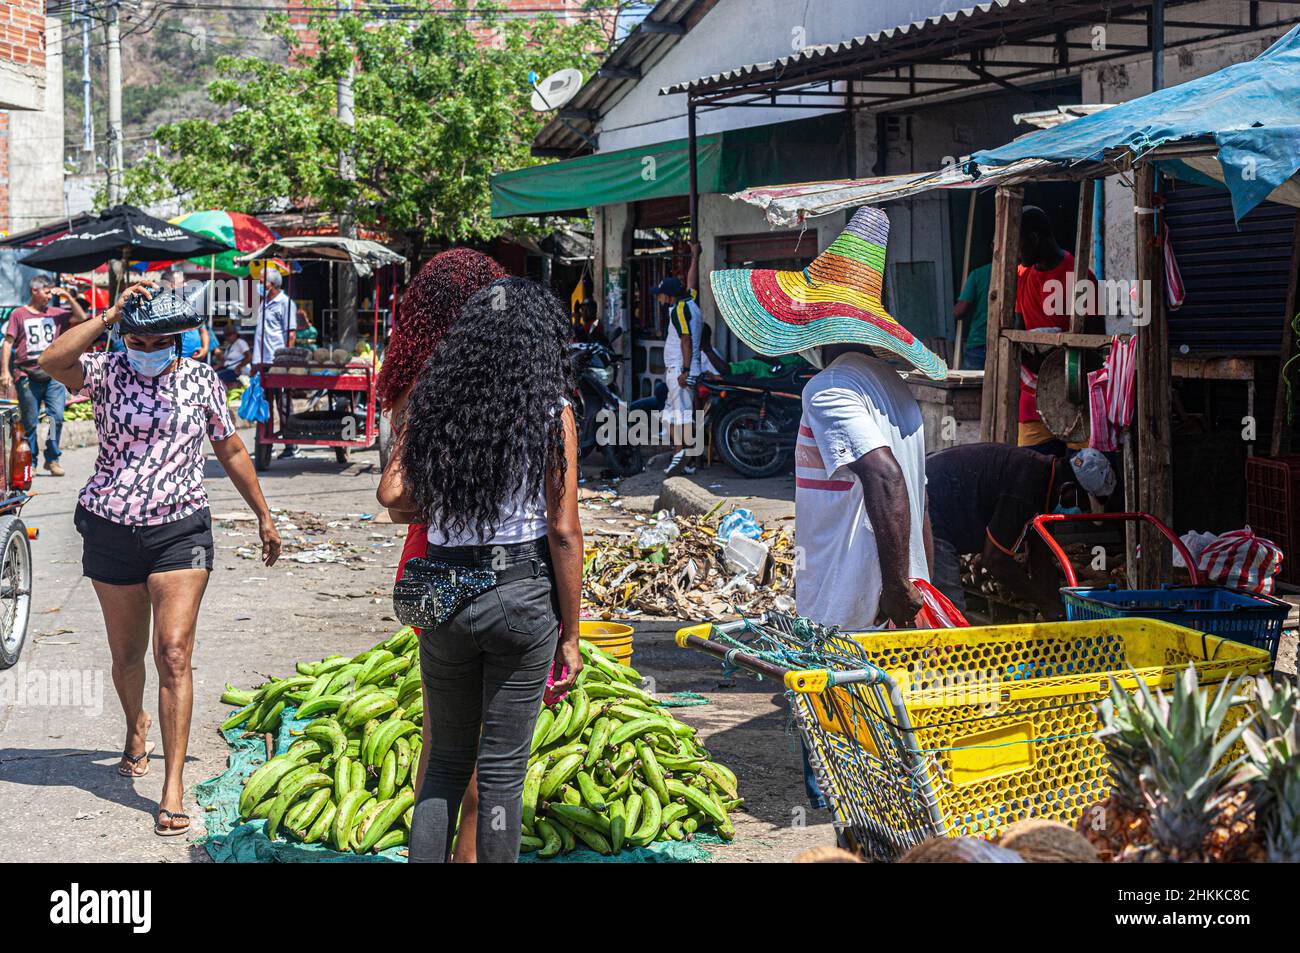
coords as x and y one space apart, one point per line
15 537
595 366
755 421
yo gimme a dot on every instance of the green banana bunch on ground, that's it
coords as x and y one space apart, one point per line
347 780
79 411
610 770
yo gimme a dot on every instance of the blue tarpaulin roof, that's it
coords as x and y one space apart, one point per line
1251 111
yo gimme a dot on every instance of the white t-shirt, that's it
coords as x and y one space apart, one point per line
856 405
275 318
234 354
683 318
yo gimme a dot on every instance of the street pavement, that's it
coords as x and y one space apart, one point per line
61 728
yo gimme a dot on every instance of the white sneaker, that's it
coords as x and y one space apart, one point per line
679 458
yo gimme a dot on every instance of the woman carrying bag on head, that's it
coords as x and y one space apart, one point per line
143 515
488 458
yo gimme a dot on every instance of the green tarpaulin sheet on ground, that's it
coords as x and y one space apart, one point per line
228 840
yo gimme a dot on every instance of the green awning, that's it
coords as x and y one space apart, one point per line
803 150
607 178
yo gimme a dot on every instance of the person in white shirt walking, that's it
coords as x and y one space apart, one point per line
861 527
681 360
277 320
277 324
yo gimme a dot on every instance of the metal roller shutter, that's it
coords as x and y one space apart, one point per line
1236 278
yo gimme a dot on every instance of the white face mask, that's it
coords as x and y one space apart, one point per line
150 363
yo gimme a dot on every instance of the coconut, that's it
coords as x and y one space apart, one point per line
959 850
1041 841
827 855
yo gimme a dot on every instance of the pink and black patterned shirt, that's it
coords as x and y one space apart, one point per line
151 430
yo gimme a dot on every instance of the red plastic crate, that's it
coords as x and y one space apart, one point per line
1273 507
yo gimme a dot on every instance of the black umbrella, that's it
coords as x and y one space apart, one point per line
121 232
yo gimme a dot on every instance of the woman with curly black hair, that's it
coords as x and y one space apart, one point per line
430 303
488 458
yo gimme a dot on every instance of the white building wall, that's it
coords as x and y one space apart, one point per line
737 33
36 146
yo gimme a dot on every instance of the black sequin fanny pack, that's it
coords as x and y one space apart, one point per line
432 591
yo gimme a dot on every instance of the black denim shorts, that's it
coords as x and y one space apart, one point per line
123 555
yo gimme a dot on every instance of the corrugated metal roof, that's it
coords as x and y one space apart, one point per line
639 51
827 51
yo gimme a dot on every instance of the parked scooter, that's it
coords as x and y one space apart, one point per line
596 372
755 421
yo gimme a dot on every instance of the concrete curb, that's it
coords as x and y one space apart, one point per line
685 498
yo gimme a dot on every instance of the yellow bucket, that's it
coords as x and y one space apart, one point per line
612 638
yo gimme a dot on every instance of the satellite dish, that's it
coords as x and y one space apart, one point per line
555 90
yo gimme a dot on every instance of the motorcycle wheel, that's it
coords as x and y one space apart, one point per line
749 458
15 588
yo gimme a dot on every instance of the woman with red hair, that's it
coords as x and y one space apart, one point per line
430 304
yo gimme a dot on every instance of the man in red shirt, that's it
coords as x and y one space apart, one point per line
32 328
1044 289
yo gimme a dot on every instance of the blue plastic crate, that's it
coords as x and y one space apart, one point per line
1254 620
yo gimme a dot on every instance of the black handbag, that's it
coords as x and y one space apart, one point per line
165 313
431 591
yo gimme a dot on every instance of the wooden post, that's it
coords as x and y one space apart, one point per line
1280 443
999 419
1082 255
1155 456
965 273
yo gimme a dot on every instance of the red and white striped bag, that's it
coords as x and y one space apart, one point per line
1241 560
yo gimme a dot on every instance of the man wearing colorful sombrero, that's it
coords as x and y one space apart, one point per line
860 514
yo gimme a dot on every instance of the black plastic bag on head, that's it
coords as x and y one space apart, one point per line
165 313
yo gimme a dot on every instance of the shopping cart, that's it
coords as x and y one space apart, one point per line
920 733
1243 617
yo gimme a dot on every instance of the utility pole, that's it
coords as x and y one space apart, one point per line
347 314
87 117
115 162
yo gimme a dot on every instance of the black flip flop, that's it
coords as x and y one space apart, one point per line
136 759
171 816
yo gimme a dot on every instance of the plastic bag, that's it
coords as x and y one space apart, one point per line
739 520
662 531
253 406
1243 561
937 610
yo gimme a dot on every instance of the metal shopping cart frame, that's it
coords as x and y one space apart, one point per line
904 753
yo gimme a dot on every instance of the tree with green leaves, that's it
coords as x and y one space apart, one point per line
441 103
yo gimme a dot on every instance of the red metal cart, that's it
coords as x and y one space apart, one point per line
342 387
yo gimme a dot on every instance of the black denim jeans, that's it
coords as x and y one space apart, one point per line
484 671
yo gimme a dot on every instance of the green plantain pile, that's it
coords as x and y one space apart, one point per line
347 781
608 769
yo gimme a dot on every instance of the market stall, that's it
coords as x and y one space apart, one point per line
337 385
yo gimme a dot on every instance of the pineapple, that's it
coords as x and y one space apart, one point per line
1120 820
1185 781
1169 773
1272 769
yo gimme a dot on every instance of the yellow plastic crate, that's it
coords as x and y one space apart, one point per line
964 731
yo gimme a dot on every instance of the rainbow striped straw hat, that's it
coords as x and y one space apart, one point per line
835 300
